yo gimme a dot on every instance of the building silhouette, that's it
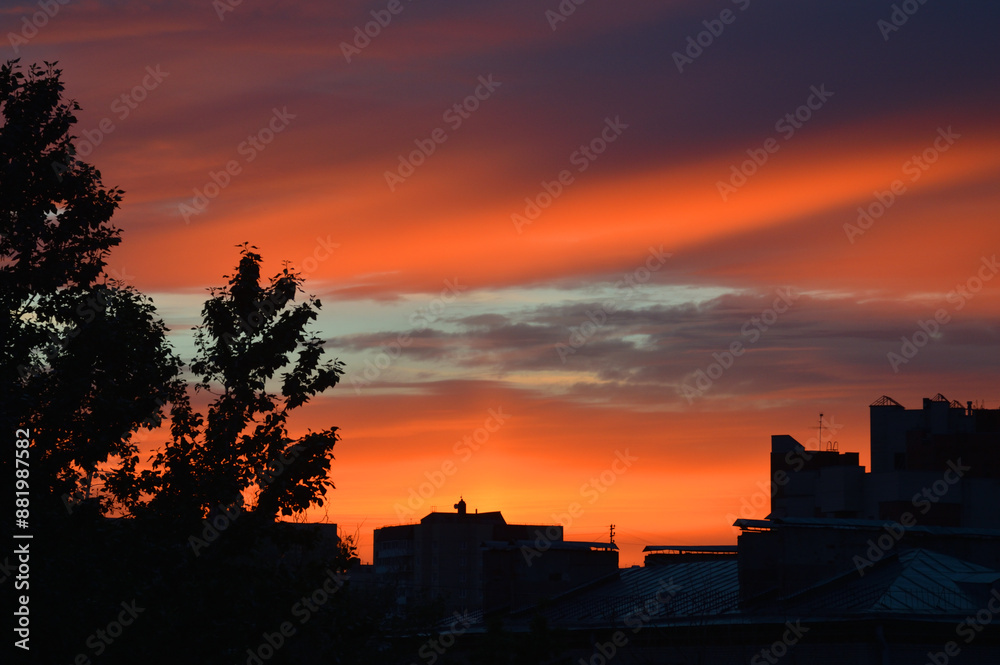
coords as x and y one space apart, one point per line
941 461
900 564
476 561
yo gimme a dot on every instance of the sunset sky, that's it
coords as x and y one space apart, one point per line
564 221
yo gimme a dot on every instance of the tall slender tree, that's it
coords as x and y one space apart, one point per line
241 447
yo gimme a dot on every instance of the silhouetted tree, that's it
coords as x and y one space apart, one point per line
83 359
84 363
241 447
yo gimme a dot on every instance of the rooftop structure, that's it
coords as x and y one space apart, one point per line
477 560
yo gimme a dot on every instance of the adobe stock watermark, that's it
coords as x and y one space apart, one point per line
634 621
455 115
779 648
215 524
592 490
929 330
303 610
277 299
967 630
363 36
752 331
598 317
922 500
786 126
223 515
31 25
322 251
87 311
796 461
249 149
122 107
914 168
435 647
389 353
223 7
463 450
101 639
714 28
900 14
562 12
581 158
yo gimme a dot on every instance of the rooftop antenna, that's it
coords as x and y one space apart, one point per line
831 446
612 534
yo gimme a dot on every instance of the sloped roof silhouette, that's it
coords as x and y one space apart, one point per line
663 592
914 582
